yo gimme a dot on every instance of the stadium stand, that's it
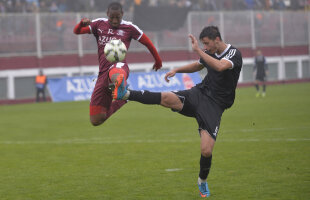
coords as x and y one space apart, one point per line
42 38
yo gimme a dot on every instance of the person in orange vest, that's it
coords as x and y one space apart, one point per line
41 82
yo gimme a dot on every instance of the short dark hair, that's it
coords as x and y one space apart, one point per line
211 32
115 6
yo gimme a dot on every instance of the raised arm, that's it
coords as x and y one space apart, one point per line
189 68
218 65
148 43
82 27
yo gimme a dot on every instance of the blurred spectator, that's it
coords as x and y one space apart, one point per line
240 5
92 5
307 6
227 4
279 5
297 4
62 6
184 4
20 6
2 7
138 2
60 27
258 25
210 5
250 4
7 6
127 5
43 7
32 7
53 7
153 3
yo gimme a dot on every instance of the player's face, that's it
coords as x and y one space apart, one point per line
259 53
115 17
209 45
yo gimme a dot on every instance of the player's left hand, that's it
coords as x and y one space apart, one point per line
169 75
157 65
195 45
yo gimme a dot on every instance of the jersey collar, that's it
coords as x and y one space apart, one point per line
228 46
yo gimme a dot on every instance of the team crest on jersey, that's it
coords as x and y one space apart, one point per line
120 32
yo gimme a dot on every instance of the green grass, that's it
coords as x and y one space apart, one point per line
50 151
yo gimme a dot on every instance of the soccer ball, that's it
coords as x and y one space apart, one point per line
115 51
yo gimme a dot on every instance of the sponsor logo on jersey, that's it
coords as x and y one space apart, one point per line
110 31
102 40
230 54
215 131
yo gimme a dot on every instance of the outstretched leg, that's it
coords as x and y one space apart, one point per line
166 99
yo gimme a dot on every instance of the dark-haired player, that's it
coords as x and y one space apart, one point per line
260 71
206 101
101 105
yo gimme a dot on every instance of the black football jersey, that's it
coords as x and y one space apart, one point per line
260 66
221 86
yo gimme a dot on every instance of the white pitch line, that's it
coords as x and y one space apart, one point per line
130 139
173 170
102 141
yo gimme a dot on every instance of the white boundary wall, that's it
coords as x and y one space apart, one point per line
10 75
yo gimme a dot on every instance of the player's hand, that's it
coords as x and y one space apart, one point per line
169 75
85 22
157 65
194 41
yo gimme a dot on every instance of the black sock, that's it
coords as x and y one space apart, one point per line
264 88
257 87
145 97
205 165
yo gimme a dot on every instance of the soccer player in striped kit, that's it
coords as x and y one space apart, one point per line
104 30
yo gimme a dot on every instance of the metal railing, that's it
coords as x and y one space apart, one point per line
51 33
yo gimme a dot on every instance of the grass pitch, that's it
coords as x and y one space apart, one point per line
50 151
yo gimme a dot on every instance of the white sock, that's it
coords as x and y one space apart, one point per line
201 180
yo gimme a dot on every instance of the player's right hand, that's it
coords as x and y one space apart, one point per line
195 45
85 22
157 65
169 75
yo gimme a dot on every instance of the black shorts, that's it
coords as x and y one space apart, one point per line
260 77
200 106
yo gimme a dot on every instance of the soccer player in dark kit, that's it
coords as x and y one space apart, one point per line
104 30
207 100
260 71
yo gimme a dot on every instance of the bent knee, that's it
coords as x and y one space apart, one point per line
165 98
171 100
96 121
206 152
